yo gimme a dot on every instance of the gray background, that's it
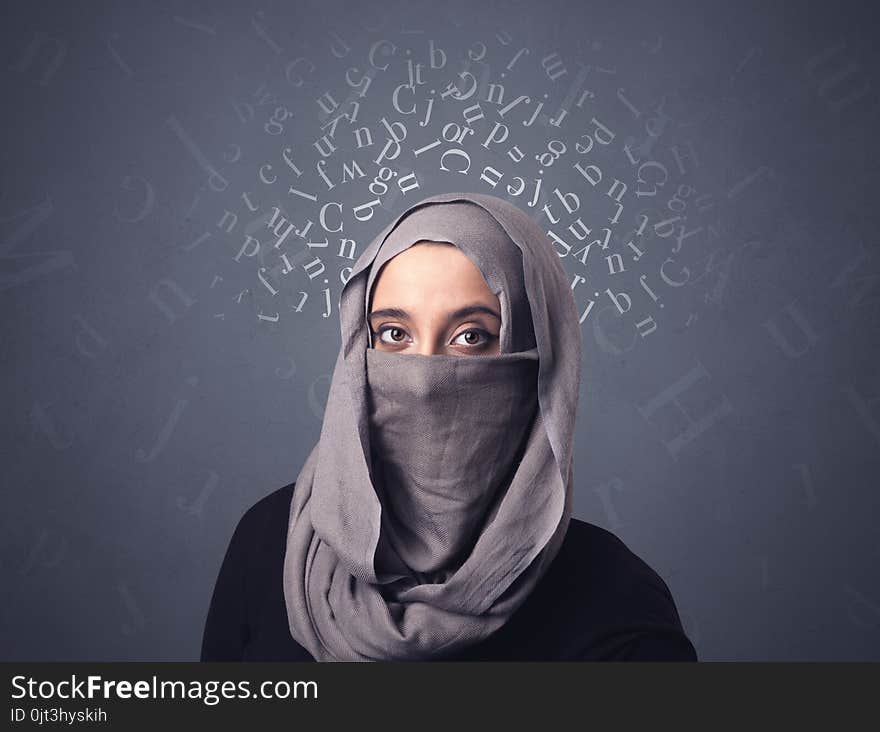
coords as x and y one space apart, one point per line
147 404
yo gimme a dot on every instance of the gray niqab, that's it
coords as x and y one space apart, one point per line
439 491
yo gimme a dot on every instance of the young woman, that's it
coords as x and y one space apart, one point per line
432 519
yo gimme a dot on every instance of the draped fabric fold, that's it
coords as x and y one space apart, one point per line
440 488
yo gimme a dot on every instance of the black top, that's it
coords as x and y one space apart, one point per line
597 601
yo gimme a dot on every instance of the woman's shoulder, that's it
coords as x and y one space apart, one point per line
247 583
268 503
603 556
619 594
261 529
270 511
604 566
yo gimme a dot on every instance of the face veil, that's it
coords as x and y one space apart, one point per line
439 490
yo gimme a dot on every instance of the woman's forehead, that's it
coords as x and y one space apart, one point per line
426 272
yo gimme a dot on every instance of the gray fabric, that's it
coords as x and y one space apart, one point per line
440 488
445 432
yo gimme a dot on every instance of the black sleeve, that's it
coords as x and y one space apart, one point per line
226 629
655 632
655 646
663 637
633 616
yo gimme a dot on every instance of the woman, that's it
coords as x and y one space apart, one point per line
432 520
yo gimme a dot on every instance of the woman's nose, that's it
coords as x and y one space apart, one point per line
429 345
428 349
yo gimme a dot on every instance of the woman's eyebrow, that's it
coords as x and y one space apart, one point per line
460 313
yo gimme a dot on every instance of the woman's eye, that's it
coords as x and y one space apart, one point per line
473 337
470 338
394 331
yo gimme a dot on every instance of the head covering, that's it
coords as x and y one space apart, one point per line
440 489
